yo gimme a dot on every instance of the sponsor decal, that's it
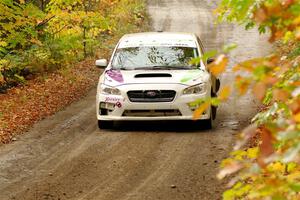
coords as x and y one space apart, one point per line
119 104
114 99
191 75
116 75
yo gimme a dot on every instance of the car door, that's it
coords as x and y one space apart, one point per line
214 79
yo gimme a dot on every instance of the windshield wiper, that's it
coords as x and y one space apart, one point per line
122 68
179 67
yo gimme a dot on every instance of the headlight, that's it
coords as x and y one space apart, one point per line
104 89
196 89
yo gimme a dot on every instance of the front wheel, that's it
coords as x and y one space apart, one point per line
105 124
214 108
208 123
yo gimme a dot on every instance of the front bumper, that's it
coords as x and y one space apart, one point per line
120 108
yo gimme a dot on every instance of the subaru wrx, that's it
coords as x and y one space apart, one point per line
150 77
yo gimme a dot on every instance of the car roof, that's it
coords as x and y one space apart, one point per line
158 38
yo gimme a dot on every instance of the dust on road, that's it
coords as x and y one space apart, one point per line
67 157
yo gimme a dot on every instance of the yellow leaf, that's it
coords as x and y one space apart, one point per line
224 94
252 152
294 176
236 68
276 167
218 66
242 84
3 44
248 65
292 167
296 21
297 117
202 108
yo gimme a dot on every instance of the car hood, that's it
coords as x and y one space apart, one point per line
116 78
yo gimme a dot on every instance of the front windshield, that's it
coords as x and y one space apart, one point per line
154 57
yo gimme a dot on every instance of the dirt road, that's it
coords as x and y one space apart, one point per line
67 157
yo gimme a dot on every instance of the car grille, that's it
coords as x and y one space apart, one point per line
151 95
151 113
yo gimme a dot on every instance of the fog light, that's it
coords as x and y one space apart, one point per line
193 108
109 106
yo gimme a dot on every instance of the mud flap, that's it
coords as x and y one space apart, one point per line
214 108
218 84
214 112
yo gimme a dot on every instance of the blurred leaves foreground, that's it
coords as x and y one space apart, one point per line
267 168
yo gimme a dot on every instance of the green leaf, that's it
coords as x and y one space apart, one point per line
215 101
295 9
229 47
209 54
295 187
19 78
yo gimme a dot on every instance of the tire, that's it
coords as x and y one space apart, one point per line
105 124
214 112
214 108
208 123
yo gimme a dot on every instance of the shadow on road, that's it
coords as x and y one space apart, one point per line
160 126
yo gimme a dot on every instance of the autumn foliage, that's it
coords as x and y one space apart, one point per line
47 53
43 35
269 169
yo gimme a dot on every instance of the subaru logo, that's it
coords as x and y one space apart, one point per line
151 94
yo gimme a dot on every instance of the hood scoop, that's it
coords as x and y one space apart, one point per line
153 75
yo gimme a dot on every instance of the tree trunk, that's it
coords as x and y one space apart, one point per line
42 5
86 9
84 42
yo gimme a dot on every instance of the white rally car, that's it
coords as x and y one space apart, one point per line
149 77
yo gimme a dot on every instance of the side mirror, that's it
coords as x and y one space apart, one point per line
210 60
102 63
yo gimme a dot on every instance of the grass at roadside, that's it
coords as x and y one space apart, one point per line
47 93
